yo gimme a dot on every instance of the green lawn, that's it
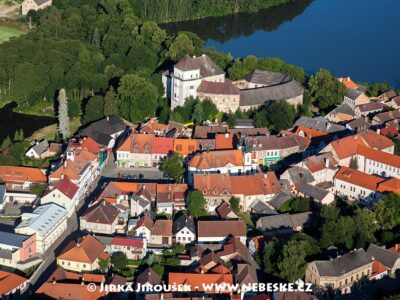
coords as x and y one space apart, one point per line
6 33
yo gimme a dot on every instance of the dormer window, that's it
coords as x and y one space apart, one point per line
135 147
146 148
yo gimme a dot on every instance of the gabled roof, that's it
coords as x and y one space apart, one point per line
43 218
102 130
376 140
218 88
391 185
148 276
185 146
22 174
71 168
197 281
162 227
224 141
12 239
87 250
146 222
283 220
384 256
267 78
221 228
138 143
203 63
358 178
68 291
62 275
319 162
205 132
348 83
67 187
9 281
372 106
225 212
163 145
347 146
343 264
353 94
136 242
101 212
183 222
41 147
217 159
380 156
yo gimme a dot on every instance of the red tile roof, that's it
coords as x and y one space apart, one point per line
197 281
347 146
222 228
21 174
9 281
127 241
374 140
185 146
163 145
390 186
223 141
86 251
217 159
69 291
349 84
308 132
67 187
162 227
358 178
380 156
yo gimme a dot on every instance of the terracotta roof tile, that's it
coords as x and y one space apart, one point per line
358 178
101 212
221 228
380 156
219 88
9 281
128 241
349 84
69 291
163 145
224 141
185 146
196 280
21 174
86 251
391 185
375 140
217 159
162 227
67 187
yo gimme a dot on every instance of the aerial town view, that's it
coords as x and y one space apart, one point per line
200 149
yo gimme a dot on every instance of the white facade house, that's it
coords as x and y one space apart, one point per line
383 164
186 77
48 222
233 162
184 230
64 194
220 231
356 185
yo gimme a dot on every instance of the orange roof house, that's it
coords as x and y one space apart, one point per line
87 250
390 186
379 156
198 281
185 146
224 141
69 291
348 83
358 178
11 174
70 168
216 159
308 132
163 145
10 283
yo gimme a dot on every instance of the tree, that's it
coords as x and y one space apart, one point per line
111 103
104 264
138 98
280 115
63 119
173 166
296 205
271 254
37 188
94 109
5 143
18 135
198 113
387 211
119 260
292 263
196 204
325 90
180 46
158 268
210 111
354 163
234 202
96 38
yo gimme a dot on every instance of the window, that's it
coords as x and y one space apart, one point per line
192 87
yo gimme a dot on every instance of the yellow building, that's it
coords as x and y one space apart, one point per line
340 273
82 256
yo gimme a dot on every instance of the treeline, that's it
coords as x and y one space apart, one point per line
163 11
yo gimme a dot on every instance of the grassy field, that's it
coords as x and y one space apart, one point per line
6 33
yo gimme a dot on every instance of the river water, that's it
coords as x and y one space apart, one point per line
357 38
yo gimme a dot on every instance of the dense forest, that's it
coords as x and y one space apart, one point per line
180 10
109 61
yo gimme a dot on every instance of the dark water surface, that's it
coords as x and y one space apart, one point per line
357 38
11 121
